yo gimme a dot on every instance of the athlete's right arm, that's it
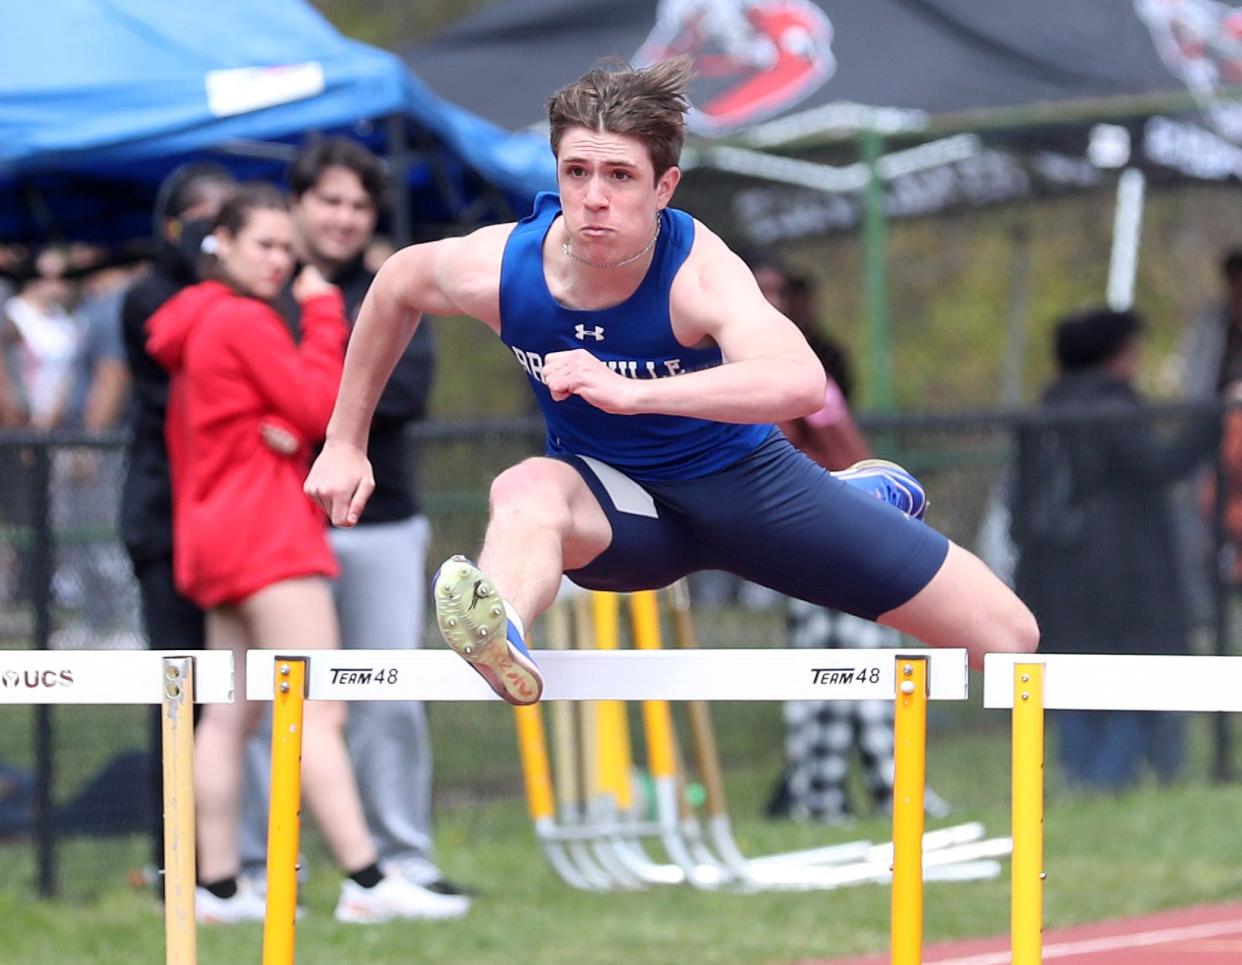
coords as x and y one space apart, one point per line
455 276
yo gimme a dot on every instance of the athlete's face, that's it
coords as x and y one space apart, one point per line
609 193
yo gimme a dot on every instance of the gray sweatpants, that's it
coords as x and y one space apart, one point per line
380 600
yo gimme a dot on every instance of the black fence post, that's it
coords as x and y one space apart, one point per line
42 557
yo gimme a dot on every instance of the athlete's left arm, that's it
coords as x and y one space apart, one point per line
770 373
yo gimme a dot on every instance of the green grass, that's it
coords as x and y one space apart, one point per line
1106 856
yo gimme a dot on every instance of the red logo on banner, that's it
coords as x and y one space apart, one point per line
1200 41
754 59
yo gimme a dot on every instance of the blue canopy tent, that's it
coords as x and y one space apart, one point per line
99 99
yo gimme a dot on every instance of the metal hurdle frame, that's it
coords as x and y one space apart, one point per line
591 834
174 679
1030 684
957 853
594 839
911 678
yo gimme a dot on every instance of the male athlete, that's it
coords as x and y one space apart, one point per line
660 368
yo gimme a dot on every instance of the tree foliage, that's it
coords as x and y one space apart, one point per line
394 23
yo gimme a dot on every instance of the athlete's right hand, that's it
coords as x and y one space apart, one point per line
341 482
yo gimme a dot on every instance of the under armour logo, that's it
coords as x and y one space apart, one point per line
581 332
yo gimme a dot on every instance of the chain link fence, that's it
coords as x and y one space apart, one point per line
75 811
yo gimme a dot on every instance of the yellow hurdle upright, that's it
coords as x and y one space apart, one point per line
285 811
177 714
1027 888
909 783
612 734
532 746
657 718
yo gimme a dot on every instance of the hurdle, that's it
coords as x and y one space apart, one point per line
1030 684
912 678
599 845
957 853
174 679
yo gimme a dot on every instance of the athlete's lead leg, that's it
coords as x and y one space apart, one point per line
543 521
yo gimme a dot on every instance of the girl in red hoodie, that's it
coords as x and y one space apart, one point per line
245 405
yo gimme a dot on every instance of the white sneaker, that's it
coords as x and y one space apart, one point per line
396 897
246 905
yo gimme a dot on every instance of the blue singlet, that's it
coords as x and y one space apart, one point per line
634 338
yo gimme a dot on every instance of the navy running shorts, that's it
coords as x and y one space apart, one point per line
775 518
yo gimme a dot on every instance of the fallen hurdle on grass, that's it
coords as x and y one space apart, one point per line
910 678
596 831
176 681
1029 685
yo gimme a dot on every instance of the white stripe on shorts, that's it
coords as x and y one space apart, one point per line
626 495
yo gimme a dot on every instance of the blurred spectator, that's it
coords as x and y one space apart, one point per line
188 202
1212 354
1213 348
234 371
91 578
41 344
1094 533
12 257
802 308
44 342
820 736
338 189
101 378
1231 476
12 414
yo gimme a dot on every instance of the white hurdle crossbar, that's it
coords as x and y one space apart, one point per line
108 676
1121 682
176 680
618 675
735 675
1029 684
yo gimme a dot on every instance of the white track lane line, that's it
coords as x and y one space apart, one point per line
1090 946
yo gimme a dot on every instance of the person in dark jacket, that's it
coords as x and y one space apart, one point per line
189 199
1092 522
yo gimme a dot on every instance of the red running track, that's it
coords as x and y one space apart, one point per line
1206 935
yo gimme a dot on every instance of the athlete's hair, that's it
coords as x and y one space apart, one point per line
649 103
338 152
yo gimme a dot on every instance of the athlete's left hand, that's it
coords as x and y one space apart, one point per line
578 372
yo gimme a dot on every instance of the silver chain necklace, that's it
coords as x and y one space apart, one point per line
567 247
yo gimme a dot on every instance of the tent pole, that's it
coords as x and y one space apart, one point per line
399 172
875 273
1127 233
